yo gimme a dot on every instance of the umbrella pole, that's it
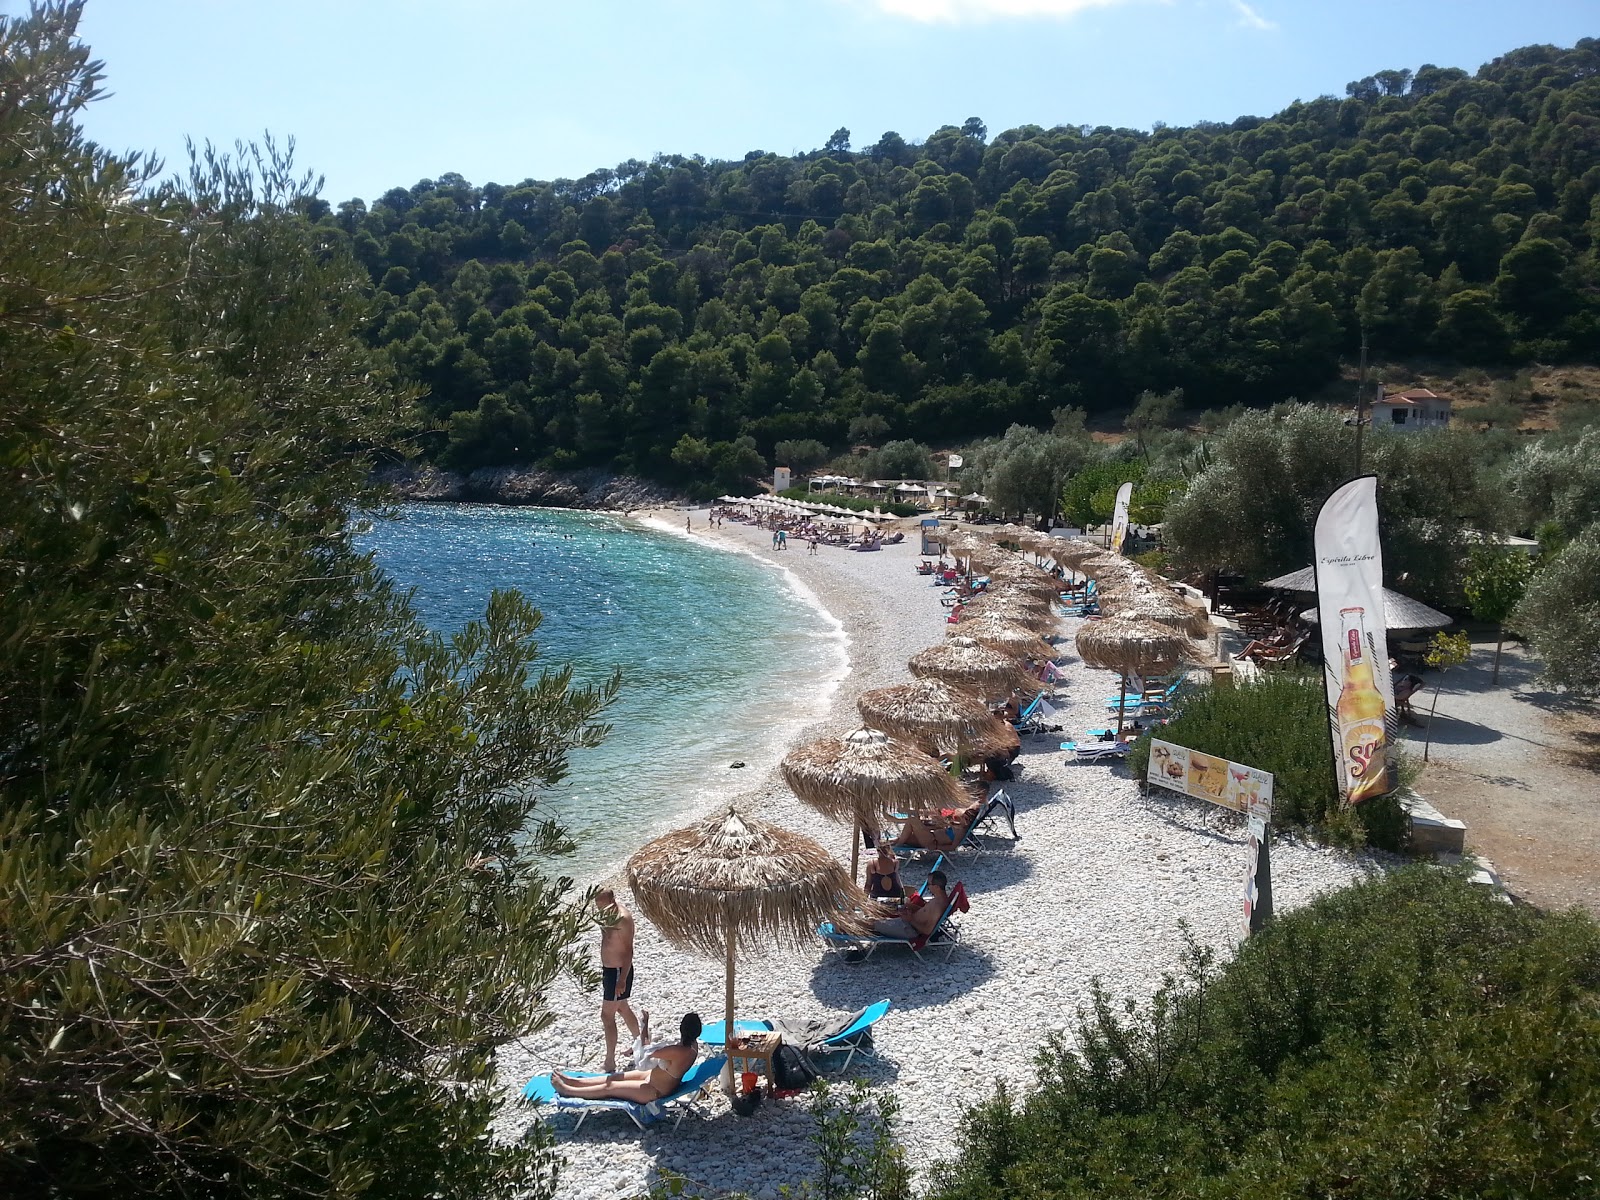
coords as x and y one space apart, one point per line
1122 704
727 1015
855 847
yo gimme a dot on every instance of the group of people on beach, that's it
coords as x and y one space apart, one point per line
658 1067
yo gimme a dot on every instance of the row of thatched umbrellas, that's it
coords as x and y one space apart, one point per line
733 882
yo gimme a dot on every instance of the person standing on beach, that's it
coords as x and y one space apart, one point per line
616 970
688 523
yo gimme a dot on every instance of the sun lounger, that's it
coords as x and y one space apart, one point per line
946 934
996 805
854 1038
1096 751
704 1073
1158 698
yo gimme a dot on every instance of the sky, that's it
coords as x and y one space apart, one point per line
381 93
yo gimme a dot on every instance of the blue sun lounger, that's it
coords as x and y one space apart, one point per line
642 1115
848 1039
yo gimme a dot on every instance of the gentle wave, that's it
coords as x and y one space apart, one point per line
719 665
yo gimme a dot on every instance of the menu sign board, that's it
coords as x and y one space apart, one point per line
1244 789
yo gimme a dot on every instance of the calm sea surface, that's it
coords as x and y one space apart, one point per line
722 657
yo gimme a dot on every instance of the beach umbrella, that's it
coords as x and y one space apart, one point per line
1399 610
968 664
1030 611
1163 606
732 883
1105 565
865 778
975 550
1071 551
1019 576
1132 645
991 741
1009 532
928 712
1004 635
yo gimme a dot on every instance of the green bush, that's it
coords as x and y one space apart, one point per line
1408 1037
1278 723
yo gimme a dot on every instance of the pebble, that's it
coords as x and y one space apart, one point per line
1099 886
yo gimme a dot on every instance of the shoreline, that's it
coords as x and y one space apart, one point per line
1096 887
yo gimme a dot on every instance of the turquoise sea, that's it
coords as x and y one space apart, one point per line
722 655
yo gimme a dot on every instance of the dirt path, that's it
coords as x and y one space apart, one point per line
1519 764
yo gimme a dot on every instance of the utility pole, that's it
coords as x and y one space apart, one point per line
1361 400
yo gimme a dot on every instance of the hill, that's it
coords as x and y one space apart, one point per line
679 318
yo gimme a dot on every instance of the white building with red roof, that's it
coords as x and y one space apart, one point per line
1414 408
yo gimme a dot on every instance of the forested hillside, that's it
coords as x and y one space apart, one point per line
680 316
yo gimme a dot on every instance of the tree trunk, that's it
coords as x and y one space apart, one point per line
1427 741
1495 677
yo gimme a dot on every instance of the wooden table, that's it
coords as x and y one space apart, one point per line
754 1052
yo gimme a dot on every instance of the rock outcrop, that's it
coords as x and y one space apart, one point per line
592 488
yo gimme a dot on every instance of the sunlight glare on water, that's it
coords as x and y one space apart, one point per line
720 658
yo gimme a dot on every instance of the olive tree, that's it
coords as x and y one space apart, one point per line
267 893
1560 614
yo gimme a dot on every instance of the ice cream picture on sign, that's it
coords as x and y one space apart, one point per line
1205 777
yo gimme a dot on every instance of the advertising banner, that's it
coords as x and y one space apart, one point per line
1119 519
1257 898
1244 789
1349 569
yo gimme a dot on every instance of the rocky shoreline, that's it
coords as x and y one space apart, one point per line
593 488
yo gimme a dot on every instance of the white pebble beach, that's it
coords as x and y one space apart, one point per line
1102 882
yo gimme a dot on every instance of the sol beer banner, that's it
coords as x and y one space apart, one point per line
1349 568
1119 519
1244 789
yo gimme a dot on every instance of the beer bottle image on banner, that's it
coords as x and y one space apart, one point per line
1360 713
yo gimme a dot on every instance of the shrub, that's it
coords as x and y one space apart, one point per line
1278 723
1408 1037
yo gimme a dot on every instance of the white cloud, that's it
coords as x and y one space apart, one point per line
1250 18
955 12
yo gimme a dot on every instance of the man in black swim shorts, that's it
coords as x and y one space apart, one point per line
616 970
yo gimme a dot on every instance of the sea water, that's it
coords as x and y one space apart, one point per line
722 655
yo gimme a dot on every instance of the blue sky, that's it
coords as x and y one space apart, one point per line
381 93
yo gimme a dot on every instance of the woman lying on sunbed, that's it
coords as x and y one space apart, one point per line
941 830
658 1073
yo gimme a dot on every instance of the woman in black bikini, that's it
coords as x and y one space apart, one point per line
883 875
668 1064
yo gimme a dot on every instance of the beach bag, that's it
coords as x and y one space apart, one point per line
790 1070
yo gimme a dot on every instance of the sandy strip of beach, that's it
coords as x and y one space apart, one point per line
1100 884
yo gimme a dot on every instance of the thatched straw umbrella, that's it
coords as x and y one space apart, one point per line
865 778
1105 565
968 664
1019 576
1033 612
966 545
1069 553
1129 645
1164 607
733 882
1010 532
930 713
1009 636
993 740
